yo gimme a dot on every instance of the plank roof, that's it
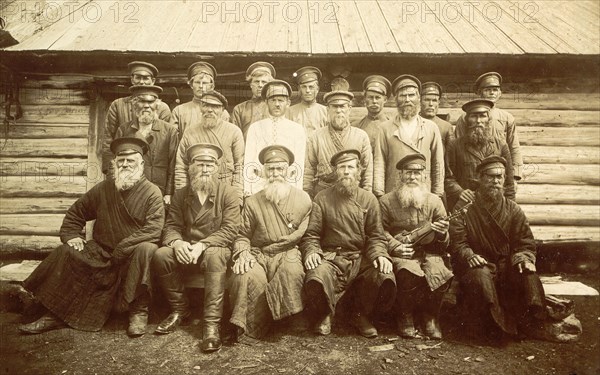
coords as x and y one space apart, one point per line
307 27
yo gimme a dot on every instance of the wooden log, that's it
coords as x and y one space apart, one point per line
71 114
548 136
42 167
34 131
560 154
66 147
46 81
561 174
39 224
550 233
563 214
27 246
558 194
54 205
53 96
49 186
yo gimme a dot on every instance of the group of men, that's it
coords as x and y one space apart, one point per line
286 209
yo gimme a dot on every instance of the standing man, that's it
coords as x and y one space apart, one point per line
502 123
431 94
337 136
274 130
202 223
121 111
344 248
408 133
81 281
201 79
159 161
421 276
255 109
308 112
376 91
211 128
268 271
493 256
466 152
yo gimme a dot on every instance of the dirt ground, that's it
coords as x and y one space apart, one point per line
293 351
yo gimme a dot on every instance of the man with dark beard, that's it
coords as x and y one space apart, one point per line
268 272
211 128
337 136
466 152
202 223
344 248
159 161
376 91
431 94
421 276
408 133
493 257
81 281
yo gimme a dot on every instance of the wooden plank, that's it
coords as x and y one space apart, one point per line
352 30
39 224
30 205
549 233
517 96
548 214
561 174
33 131
324 33
51 96
49 186
241 33
62 114
272 25
376 27
560 155
159 17
558 194
57 81
27 246
299 38
42 167
187 26
72 147
540 136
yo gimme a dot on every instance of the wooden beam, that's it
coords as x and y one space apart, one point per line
39 224
561 174
558 194
547 136
564 214
54 205
38 113
35 131
549 233
53 96
49 186
65 147
560 154
27 246
42 167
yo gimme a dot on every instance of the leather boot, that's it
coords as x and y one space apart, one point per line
46 323
405 302
323 326
214 290
173 288
138 315
431 311
364 325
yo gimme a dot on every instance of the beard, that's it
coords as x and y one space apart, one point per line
346 186
209 122
478 137
146 118
408 110
126 177
490 194
201 183
412 196
276 189
339 122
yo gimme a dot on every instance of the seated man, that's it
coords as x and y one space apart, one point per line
493 257
344 246
421 276
268 273
81 281
203 221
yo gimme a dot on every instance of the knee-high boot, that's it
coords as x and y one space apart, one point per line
431 311
214 291
138 314
173 288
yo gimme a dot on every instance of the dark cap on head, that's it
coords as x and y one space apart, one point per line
150 90
378 84
276 87
215 98
345 155
412 162
136 66
307 74
128 146
431 88
204 151
260 66
276 154
338 97
201 67
489 79
406 80
477 106
491 162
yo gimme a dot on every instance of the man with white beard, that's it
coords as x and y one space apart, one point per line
159 161
345 249
211 128
421 276
81 281
268 272
337 136
202 223
408 133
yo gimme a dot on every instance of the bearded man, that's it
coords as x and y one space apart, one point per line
493 256
344 248
268 274
159 161
201 79
308 112
466 152
211 128
337 136
376 91
81 281
421 276
408 133
202 223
